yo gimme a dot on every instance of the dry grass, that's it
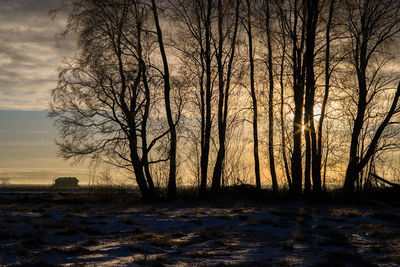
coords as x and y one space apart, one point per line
391 218
129 221
6 233
34 262
345 259
155 262
346 212
287 246
75 251
155 239
33 242
93 231
378 230
301 236
333 238
205 232
68 231
211 233
382 248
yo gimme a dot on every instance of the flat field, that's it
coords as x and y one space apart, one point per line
43 226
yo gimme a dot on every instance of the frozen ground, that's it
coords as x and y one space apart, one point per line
44 229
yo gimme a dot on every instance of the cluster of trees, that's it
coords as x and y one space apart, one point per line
172 88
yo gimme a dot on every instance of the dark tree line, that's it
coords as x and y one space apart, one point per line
185 83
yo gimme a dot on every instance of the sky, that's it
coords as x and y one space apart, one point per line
32 50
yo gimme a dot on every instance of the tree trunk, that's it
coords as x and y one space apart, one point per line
355 167
325 163
270 104
351 177
142 70
307 161
207 126
145 158
223 94
140 176
216 178
202 183
317 160
352 171
369 36
283 138
298 88
254 100
171 123
309 129
137 163
296 156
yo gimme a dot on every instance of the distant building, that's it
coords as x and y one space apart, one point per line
66 182
4 181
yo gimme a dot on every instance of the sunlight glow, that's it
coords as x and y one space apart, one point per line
317 112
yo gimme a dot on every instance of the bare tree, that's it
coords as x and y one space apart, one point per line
267 10
206 99
224 87
106 97
193 45
312 14
291 16
282 81
170 119
317 154
371 25
253 96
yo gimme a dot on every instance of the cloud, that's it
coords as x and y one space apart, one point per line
31 51
40 144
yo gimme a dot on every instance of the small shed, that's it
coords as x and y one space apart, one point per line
66 182
4 181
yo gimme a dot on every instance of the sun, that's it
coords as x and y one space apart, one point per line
317 112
